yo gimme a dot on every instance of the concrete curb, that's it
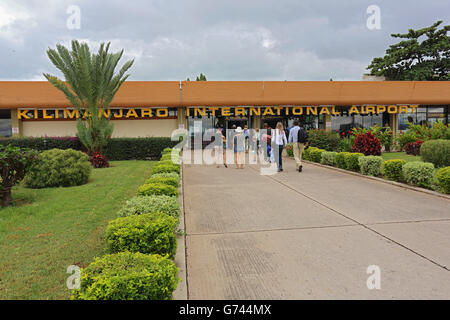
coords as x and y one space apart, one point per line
181 293
394 183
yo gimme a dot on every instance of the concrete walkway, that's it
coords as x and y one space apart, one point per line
311 235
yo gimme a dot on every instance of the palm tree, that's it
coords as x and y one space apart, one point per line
90 85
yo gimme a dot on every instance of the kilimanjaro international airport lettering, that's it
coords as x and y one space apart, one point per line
297 111
72 114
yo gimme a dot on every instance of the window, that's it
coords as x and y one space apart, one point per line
5 123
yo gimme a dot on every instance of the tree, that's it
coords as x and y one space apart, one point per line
90 86
14 164
416 58
201 77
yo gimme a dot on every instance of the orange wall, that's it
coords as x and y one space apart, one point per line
41 94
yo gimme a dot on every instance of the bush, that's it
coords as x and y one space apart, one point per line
367 144
392 169
14 164
174 182
413 148
157 189
166 157
306 153
59 168
370 165
167 175
166 168
128 276
315 155
99 161
418 173
328 158
351 161
340 160
443 179
404 138
436 152
151 204
116 149
323 139
146 233
290 150
167 162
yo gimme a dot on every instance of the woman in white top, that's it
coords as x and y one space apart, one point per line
278 142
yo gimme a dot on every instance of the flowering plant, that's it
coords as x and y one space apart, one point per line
99 161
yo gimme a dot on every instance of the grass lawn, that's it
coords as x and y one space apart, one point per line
400 155
53 228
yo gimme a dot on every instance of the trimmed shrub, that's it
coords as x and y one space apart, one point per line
436 152
328 158
163 180
59 168
404 138
367 144
166 157
167 175
128 276
316 155
351 161
339 160
167 162
166 168
117 148
370 165
443 179
306 153
152 233
99 161
418 173
413 148
392 169
151 204
157 189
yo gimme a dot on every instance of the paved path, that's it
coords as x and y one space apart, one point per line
311 235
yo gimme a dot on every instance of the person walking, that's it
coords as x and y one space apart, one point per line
239 148
221 148
278 142
298 136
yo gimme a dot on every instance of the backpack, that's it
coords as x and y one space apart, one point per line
302 135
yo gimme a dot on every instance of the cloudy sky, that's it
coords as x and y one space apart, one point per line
226 40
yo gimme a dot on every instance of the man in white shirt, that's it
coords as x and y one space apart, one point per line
296 145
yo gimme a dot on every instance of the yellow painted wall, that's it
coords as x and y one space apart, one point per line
122 128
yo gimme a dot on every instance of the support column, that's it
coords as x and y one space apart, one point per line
181 115
16 124
327 120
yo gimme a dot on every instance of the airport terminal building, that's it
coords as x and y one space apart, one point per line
156 108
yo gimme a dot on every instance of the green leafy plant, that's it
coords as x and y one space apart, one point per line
164 180
152 233
418 173
90 86
436 152
392 169
167 175
151 204
443 179
167 162
166 168
368 144
157 189
404 138
128 276
351 161
59 168
315 155
370 165
14 165
328 158
323 139
340 160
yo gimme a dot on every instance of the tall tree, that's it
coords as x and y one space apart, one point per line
201 77
90 85
424 54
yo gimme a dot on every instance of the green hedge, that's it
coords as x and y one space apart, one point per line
157 189
370 165
117 148
166 168
437 152
128 276
328 158
315 155
59 168
151 233
392 169
150 204
340 160
443 179
166 162
167 175
351 160
418 173
174 182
